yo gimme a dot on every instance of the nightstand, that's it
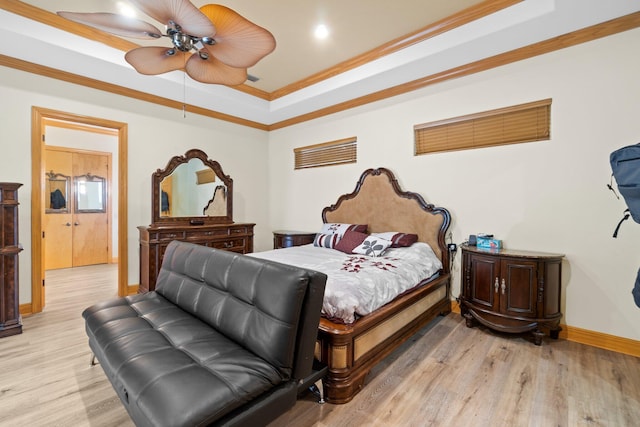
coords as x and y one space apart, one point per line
288 238
512 291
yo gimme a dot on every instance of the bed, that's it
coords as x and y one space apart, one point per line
351 349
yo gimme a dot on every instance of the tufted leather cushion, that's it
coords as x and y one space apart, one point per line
255 304
221 330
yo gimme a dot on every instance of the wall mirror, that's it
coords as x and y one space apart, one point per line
90 192
57 189
192 189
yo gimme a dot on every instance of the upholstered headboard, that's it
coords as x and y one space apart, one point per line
379 202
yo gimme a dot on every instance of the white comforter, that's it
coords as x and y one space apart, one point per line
357 284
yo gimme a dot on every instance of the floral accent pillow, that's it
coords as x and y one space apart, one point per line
398 240
372 246
340 229
326 240
350 241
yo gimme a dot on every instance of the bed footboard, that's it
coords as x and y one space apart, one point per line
350 351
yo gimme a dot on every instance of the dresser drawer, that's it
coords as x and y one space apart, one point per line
235 245
216 232
239 230
166 236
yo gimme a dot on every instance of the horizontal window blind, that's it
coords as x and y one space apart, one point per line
327 154
511 125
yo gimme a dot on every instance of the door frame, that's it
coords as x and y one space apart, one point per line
38 117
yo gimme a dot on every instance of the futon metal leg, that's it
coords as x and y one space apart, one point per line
93 360
320 388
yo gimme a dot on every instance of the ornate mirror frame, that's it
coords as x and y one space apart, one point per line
90 203
59 202
161 174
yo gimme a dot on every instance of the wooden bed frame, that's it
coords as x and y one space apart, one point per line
350 351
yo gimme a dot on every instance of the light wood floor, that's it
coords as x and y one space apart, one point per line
448 375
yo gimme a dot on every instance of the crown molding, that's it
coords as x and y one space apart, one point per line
567 40
261 121
454 21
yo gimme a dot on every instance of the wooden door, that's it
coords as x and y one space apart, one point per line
74 238
90 226
57 221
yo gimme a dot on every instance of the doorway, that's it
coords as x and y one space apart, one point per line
40 118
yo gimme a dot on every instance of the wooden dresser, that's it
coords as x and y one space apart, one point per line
10 320
512 291
236 237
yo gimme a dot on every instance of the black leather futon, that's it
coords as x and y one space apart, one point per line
225 339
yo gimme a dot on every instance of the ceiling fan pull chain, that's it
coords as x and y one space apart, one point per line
184 92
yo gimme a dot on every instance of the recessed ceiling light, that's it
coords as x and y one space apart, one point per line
321 32
126 9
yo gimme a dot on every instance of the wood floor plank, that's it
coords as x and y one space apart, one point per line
447 375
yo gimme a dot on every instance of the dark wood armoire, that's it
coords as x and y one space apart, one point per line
10 320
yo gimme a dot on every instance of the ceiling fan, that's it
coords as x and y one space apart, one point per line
213 44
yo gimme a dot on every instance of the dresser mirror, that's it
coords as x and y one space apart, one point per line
192 189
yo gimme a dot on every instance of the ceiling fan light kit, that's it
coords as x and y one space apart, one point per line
213 44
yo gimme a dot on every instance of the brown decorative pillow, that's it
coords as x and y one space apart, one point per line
398 240
350 241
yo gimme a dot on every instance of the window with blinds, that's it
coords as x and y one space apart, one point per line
511 125
327 154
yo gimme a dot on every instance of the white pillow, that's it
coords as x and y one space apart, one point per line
372 246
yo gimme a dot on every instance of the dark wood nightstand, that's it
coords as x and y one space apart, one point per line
512 291
288 238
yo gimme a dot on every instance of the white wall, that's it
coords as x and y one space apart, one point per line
155 135
548 196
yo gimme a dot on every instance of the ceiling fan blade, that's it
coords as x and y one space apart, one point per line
181 12
239 42
155 60
211 70
115 24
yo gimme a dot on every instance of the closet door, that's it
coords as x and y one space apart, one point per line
58 219
76 228
90 217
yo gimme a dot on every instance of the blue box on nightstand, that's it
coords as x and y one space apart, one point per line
483 242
